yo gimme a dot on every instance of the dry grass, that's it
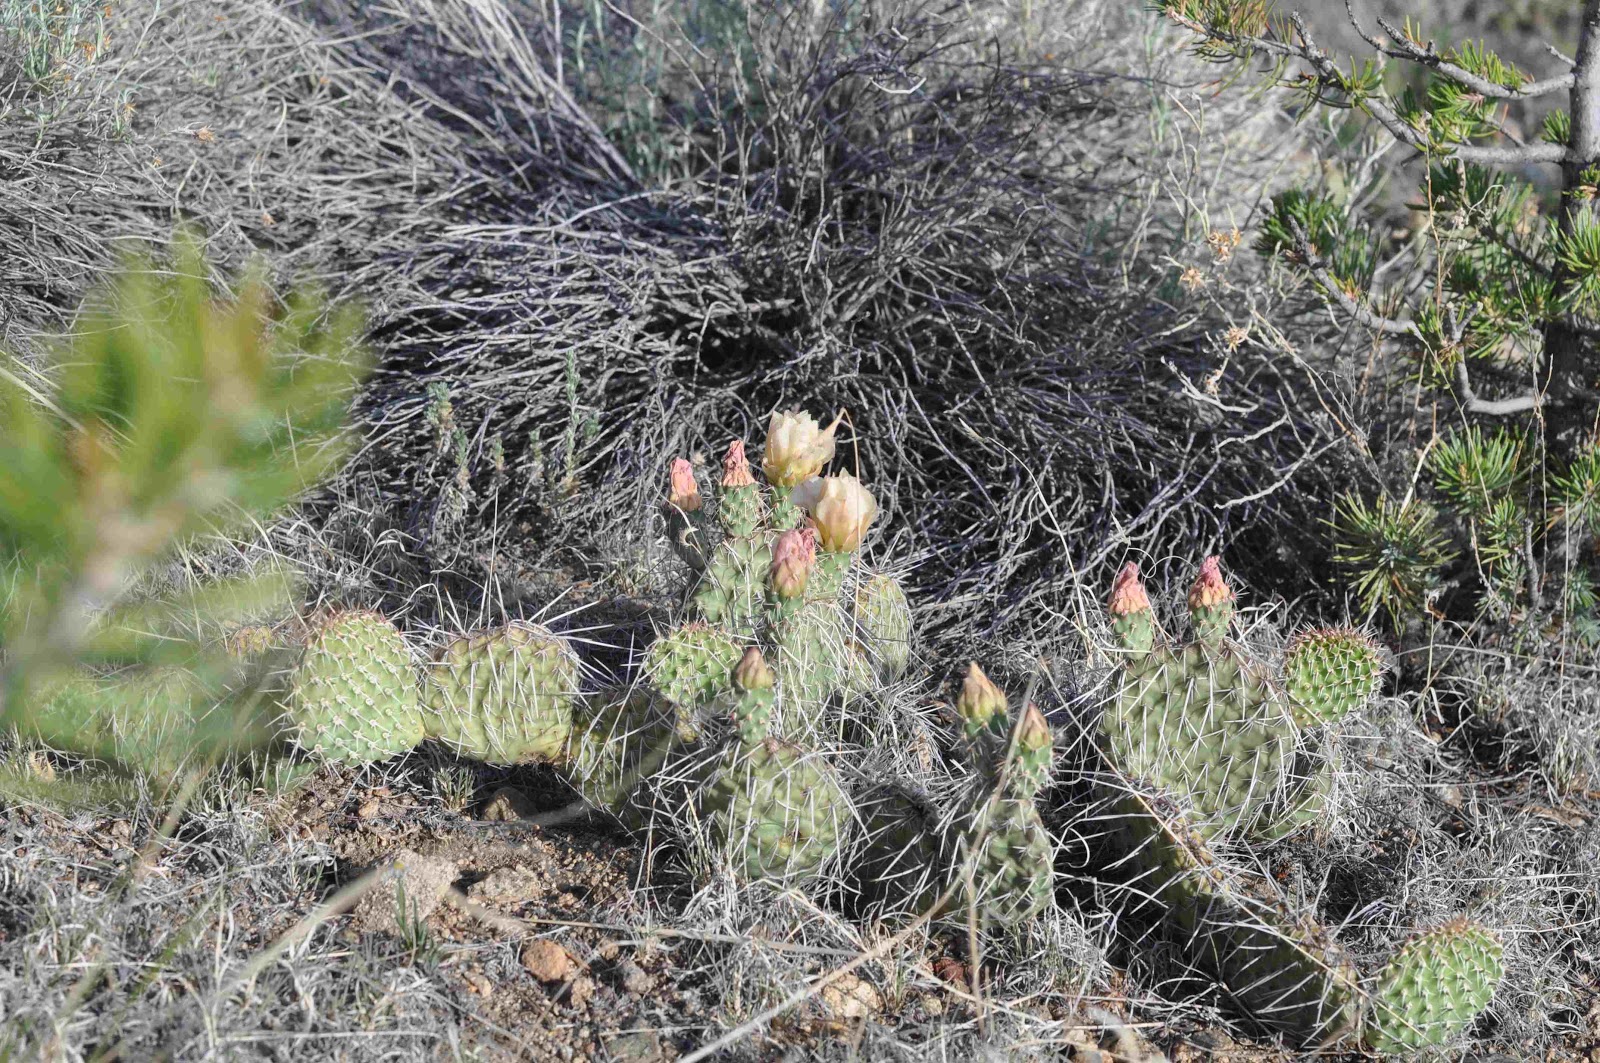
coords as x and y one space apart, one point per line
984 235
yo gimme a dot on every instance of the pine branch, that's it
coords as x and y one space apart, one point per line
1472 402
1402 47
1363 314
1327 71
1401 130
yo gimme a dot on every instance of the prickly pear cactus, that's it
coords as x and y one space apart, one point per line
354 697
1207 723
1008 858
1434 988
774 809
504 696
778 566
1202 741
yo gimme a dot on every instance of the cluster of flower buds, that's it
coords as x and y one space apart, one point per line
839 507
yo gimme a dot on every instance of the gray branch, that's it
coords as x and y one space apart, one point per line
1402 47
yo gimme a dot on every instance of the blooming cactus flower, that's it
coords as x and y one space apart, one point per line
840 508
797 447
684 493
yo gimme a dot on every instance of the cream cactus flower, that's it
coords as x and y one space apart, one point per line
840 507
797 447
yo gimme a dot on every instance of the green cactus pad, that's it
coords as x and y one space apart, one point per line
1329 672
812 654
690 666
505 696
1205 725
354 698
739 510
777 812
732 590
883 619
1434 988
1013 877
1284 973
621 739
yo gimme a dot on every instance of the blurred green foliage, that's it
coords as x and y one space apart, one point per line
170 415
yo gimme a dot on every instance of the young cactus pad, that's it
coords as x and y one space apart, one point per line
505 696
690 665
353 698
1003 844
1434 988
883 618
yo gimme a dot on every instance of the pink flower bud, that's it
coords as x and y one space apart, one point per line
684 493
1033 733
752 672
793 554
1210 589
1127 592
735 469
980 700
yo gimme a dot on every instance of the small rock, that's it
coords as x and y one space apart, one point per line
420 881
849 997
608 950
632 978
1123 1041
509 804
121 830
477 983
582 989
643 1046
509 887
546 960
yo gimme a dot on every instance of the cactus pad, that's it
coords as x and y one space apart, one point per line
779 812
690 666
732 589
505 696
1012 863
353 697
813 654
1205 725
1434 987
883 618
904 864
1329 672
